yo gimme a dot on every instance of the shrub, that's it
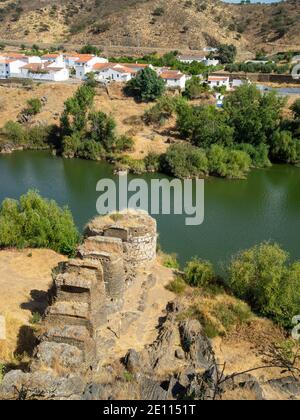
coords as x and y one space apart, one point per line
185 161
177 286
35 222
39 136
228 163
90 149
2 372
159 113
124 144
15 133
132 165
170 261
263 277
199 273
296 108
152 162
34 106
232 314
284 148
35 319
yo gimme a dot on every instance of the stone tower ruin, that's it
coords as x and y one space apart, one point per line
89 289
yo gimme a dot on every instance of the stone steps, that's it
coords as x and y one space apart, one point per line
77 336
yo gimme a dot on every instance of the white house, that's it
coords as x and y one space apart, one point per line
9 67
83 64
113 72
44 72
58 59
174 79
188 59
218 81
211 62
210 49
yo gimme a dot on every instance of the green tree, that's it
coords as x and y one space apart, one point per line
204 126
255 116
146 86
263 276
296 108
194 88
37 223
227 53
103 129
284 148
76 110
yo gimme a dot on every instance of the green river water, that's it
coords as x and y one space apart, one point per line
238 214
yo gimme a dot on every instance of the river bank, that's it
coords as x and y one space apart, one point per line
238 214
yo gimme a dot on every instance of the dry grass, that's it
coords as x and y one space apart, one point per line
24 282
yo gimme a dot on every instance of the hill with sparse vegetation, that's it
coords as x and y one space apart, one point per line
190 24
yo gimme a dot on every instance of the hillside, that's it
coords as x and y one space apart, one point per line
155 24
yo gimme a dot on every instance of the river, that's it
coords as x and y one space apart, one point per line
238 214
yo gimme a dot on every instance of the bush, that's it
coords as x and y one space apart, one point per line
15 133
35 319
39 136
185 161
134 166
124 144
259 155
177 286
152 162
34 222
90 149
296 108
284 148
231 314
194 88
199 273
34 106
263 277
170 261
228 163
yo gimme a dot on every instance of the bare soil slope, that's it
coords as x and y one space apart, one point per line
169 24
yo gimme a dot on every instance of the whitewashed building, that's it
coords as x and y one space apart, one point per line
58 59
188 59
43 72
174 79
113 72
211 62
218 81
9 67
84 63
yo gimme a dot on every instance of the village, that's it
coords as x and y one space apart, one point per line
59 67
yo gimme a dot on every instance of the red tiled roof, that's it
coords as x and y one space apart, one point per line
171 75
114 66
217 78
51 56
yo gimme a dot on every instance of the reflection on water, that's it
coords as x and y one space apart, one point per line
238 214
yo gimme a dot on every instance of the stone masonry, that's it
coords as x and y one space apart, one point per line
89 289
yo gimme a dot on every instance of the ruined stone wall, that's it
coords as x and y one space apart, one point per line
137 232
88 292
